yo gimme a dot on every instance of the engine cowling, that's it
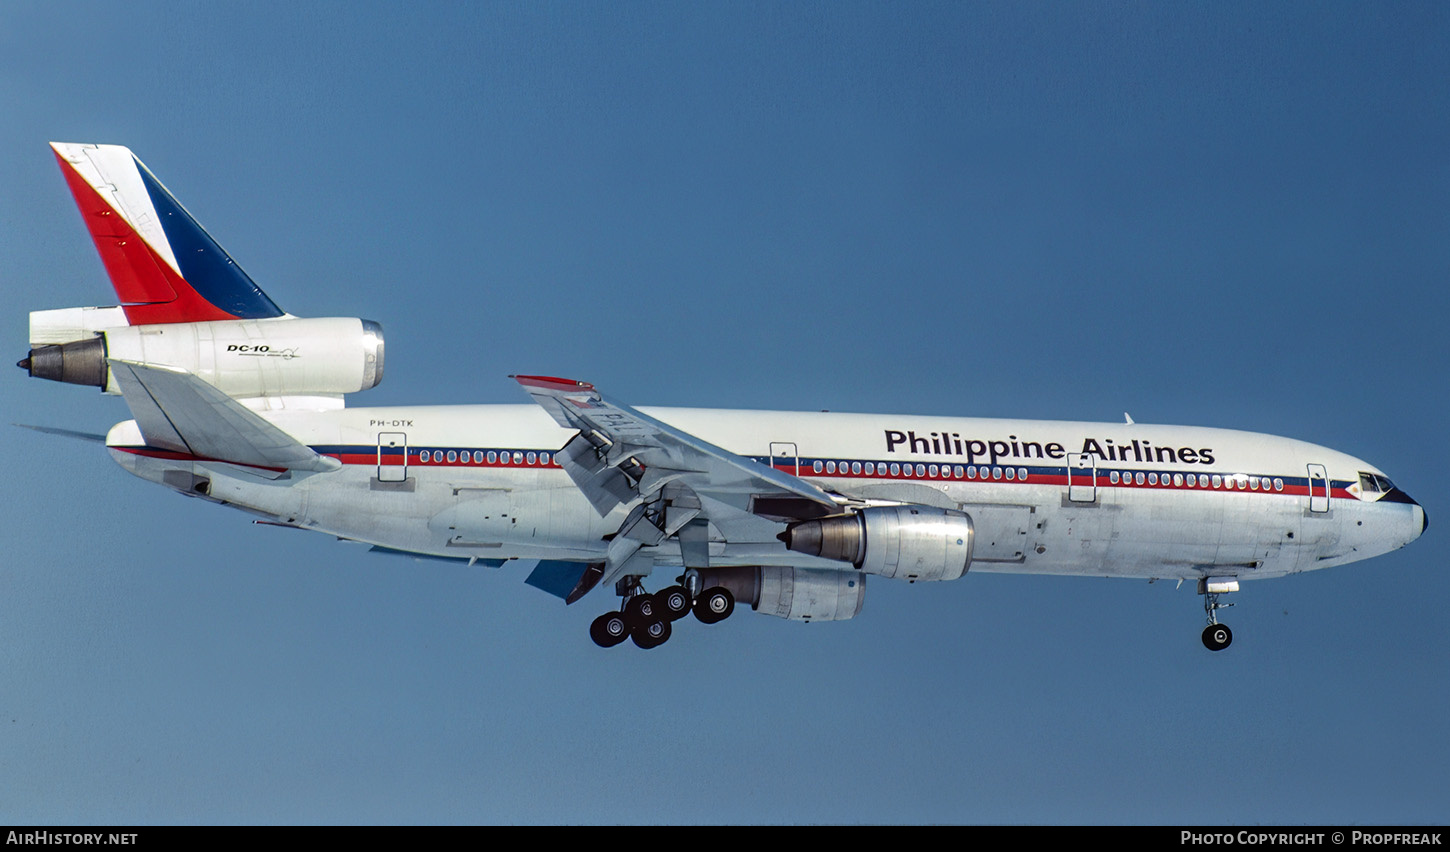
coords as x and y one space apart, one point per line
242 358
907 542
799 594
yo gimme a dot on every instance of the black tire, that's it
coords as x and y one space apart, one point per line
641 610
652 635
714 605
674 602
609 630
1216 637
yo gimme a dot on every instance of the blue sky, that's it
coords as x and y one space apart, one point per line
1208 213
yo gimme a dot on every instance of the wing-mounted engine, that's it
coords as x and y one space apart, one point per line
799 594
286 356
907 542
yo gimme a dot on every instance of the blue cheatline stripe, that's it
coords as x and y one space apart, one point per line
946 472
206 266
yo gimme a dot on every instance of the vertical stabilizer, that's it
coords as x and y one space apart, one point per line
164 266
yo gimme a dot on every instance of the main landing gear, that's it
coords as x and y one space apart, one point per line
1216 636
646 618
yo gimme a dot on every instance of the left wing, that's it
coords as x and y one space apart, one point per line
672 481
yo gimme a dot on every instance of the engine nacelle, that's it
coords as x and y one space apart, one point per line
242 358
799 594
906 542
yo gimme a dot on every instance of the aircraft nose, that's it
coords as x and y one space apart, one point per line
1395 495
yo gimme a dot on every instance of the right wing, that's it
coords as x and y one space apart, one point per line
672 481
179 412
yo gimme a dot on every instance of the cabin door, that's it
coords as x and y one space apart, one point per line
392 456
1082 477
783 456
1318 489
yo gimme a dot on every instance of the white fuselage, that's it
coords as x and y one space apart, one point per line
1049 497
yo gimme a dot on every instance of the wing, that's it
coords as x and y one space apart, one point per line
177 411
671 480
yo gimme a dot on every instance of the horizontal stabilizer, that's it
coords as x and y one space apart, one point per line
66 433
179 412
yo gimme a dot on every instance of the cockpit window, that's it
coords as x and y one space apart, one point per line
1373 483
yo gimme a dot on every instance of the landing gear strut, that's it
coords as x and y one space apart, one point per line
646 618
1216 636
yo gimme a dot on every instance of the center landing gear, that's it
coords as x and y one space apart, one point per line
646 618
1216 636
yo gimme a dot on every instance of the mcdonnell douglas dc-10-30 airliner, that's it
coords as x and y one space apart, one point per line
240 403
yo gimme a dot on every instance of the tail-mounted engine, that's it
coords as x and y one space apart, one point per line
242 358
905 542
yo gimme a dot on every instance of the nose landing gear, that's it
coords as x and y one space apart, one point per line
1216 636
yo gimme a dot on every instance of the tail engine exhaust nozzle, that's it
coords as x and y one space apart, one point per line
81 362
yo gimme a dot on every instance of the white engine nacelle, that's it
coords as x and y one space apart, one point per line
907 542
799 594
241 358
